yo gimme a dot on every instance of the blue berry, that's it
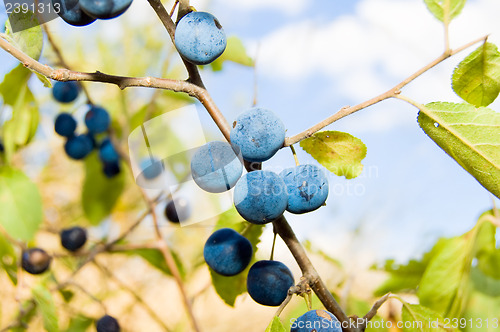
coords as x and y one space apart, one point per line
268 282
65 125
73 238
78 147
258 133
71 13
260 196
110 170
215 167
107 152
65 92
104 9
307 188
35 260
316 321
151 168
97 120
107 324
199 38
227 252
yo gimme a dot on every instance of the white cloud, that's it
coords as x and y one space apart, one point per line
287 6
363 54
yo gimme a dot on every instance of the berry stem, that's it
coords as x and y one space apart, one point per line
295 155
274 243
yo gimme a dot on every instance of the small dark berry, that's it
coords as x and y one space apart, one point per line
35 260
107 152
97 120
65 92
110 170
107 324
177 210
73 238
78 147
65 125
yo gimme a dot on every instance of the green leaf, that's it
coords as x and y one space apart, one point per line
13 83
21 128
275 325
20 204
25 33
469 135
45 302
8 259
407 277
437 8
156 259
481 314
418 318
235 52
229 288
28 310
79 323
489 264
99 193
339 152
477 78
45 81
444 285
484 284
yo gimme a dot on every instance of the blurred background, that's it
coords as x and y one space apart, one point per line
311 59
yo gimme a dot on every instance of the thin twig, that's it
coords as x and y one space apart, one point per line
162 246
132 292
86 292
60 58
374 309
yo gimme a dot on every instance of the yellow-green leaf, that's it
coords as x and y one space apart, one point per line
442 8
444 285
469 135
20 204
235 52
417 318
99 193
45 302
341 153
276 325
477 78
24 31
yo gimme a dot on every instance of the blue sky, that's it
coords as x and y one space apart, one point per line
313 57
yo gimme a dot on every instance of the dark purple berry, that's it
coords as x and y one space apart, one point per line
73 238
35 260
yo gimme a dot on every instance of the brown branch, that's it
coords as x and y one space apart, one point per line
162 246
309 272
60 57
374 309
348 110
123 82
